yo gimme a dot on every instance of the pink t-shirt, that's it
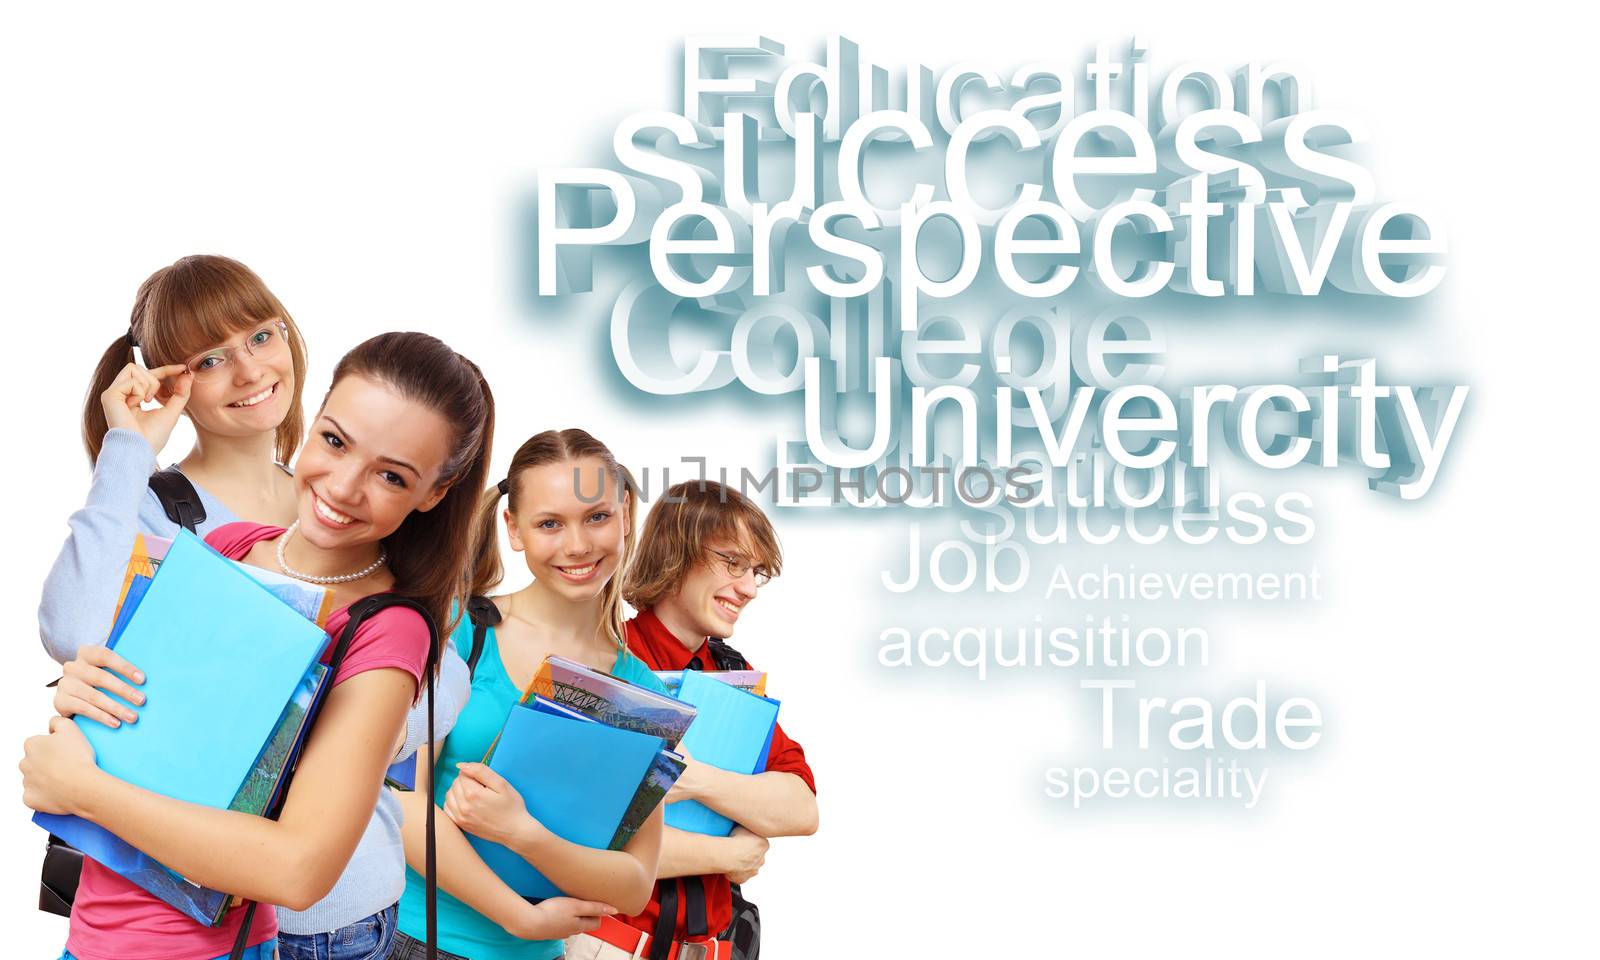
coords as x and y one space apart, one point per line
112 919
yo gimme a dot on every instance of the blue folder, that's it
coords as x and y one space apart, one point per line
222 656
576 777
732 731
402 774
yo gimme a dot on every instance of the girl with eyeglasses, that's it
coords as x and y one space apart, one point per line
222 350
384 498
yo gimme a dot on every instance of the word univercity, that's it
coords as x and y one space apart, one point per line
853 236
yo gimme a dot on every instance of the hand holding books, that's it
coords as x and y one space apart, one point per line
220 640
750 854
56 768
584 757
486 805
686 787
86 680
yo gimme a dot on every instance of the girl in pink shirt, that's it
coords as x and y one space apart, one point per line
385 491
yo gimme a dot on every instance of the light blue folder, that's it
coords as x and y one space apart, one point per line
576 777
222 656
732 731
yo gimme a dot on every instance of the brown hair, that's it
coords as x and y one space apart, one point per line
183 309
429 552
554 446
679 529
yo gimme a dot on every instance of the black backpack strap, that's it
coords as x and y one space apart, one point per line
694 908
178 498
364 608
360 611
724 656
483 614
666 918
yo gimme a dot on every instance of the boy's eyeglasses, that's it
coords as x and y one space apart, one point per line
264 344
737 567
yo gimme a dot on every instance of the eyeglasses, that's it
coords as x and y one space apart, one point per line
737 567
263 344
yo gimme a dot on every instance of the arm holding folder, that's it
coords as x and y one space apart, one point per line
773 803
480 802
738 732
293 861
464 875
740 855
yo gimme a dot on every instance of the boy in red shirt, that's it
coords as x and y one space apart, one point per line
704 553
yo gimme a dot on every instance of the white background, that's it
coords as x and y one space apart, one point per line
371 166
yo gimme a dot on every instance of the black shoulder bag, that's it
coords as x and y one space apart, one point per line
744 930
63 863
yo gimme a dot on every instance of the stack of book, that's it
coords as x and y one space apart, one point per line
592 756
752 681
732 731
230 656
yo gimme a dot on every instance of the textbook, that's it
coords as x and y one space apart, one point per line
610 700
213 641
664 771
311 601
402 774
732 731
754 681
577 776
256 796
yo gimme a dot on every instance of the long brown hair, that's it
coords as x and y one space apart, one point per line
554 446
184 309
679 529
429 552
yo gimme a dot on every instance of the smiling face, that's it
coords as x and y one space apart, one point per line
710 598
248 394
570 524
371 458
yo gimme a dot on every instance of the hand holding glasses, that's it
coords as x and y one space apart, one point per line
266 343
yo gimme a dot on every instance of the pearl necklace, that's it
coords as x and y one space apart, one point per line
366 571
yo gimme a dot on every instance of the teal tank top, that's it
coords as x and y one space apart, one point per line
463 930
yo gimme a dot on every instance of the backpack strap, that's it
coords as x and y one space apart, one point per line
483 614
178 498
360 612
725 657
694 908
666 918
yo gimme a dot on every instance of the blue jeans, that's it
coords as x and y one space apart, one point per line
261 951
366 939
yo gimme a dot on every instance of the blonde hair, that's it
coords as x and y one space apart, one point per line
554 446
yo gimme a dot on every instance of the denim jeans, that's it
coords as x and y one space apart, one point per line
366 939
261 951
408 948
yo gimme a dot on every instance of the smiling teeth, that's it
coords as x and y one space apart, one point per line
576 571
327 512
728 606
252 401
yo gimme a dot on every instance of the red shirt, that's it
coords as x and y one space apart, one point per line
652 642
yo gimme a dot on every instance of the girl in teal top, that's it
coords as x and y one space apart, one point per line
571 514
